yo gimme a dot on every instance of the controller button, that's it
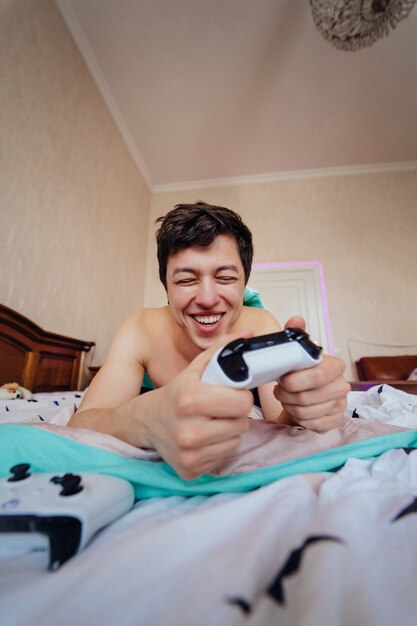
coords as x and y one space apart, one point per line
19 472
57 480
234 347
10 504
71 485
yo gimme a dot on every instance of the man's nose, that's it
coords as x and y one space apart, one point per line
207 294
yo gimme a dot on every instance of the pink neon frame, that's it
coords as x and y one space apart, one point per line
319 266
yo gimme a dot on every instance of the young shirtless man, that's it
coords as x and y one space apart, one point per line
205 254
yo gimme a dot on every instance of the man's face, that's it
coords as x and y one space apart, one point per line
205 287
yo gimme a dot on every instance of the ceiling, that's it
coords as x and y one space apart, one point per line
207 90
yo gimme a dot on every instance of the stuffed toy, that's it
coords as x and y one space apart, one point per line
13 391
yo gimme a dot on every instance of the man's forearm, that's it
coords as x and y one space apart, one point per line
126 422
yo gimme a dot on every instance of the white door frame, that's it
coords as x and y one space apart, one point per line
305 279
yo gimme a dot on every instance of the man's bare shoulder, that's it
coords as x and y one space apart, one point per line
147 317
136 334
261 321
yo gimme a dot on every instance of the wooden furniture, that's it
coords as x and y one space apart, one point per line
36 359
410 386
386 367
392 370
92 371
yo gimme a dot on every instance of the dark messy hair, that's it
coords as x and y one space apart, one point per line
198 224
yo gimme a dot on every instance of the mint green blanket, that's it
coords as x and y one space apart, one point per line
48 452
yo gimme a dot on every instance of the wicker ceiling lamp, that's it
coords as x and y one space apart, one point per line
355 24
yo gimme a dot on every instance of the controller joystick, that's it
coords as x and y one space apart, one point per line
19 472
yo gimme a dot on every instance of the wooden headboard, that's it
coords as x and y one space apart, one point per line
37 359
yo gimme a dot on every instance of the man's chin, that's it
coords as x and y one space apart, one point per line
205 341
204 338
205 344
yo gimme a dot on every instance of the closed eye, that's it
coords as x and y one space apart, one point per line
186 281
227 279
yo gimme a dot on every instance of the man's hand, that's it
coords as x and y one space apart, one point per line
314 398
197 424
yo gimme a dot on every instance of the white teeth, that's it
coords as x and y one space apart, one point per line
207 319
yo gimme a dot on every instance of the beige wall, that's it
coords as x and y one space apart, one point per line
362 228
74 207
73 247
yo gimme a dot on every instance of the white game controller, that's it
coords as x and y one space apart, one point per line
57 514
248 363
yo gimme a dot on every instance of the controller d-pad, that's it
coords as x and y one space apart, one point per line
71 484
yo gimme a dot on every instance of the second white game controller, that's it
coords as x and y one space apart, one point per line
248 363
58 514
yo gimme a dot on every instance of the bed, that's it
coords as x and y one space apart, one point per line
37 359
295 529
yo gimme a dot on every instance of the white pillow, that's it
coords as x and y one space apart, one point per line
413 375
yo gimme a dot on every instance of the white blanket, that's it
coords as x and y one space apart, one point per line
330 548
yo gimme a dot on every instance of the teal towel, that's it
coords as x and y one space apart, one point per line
251 297
48 452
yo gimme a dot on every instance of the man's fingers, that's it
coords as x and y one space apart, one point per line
315 398
305 414
334 390
227 402
296 322
198 434
330 369
322 424
193 463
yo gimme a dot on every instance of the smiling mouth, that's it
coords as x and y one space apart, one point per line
208 320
